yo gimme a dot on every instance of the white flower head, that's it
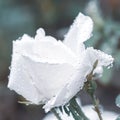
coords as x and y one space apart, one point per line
51 72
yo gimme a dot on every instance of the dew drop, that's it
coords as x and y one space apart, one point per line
9 67
19 38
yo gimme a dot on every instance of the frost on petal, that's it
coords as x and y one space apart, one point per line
20 81
50 79
47 50
79 32
36 65
35 80
70 89
91 55
24 45
52 52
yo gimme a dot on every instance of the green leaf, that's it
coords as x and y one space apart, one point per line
66 110
61 109
74 114
117 101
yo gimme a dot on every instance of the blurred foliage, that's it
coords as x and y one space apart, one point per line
118 101
118 118
15 20
106 37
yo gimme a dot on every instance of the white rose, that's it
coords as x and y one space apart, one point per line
51 72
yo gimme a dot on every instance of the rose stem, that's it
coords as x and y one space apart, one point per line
96 106
56 114
77 108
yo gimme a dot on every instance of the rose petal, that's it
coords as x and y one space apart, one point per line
49 78
40 34
53 52
79 32
70 89
20 81
40 63
47 50
36 80
91 55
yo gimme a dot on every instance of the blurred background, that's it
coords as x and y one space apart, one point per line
25 16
